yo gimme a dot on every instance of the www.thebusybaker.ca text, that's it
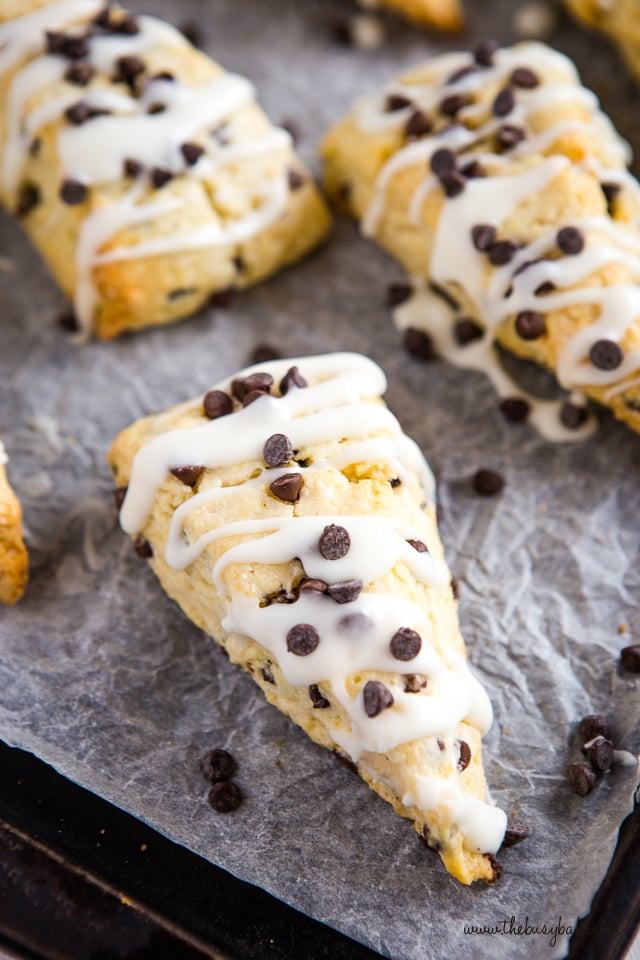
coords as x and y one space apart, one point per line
522 928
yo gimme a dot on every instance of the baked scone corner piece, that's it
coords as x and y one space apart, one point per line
618 19
145 174
290 517
14 561
443 15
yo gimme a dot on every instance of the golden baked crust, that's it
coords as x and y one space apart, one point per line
14 561
618 19
208 535
441 14
529 157
136 138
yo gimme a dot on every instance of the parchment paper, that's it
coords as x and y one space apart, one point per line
103 677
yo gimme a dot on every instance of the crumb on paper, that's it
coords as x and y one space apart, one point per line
623 628
536 20
367 32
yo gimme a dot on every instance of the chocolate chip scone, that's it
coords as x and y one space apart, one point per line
619 19
14 562
293 521
440 14
501 187
145 174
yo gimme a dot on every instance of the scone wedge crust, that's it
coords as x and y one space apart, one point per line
14 561
619 20
293 521
440 14
146 175
497 179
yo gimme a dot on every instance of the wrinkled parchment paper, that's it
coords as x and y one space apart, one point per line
103 677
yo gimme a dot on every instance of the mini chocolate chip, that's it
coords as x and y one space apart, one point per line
217 765
484 52
319 702
302 639
509 136
240 387
442 161
516 832
35 147
346 591
73 192
418 125
453 183
606 354
395 483
444 295
164 75
160 177
396 101
570 240
581 778
225 797
504 102
525 78
611 192
267 675
376 698
79 74
441 745
414 683
277 450
465 755
487 483
191 153
433 845
253 395
630 658
295 180
514 409
573 415
312 585
142 547
287 487
419 344
461 73
547 287
466 331
29 197
334 542
187 475
156 108
599 753
216 403
455 588
355 623
180 292
222 298
103 19
483 236
118 496
129 68
240 266
530 324
64 45
473 170
453 104
193 32
345 761
398 293
292 378
68 321
501 252
594 725
405 644
495 866
78 113
128 26
132 168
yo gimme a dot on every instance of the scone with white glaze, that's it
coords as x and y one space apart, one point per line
14 561
293 521
502 188
145 174
618 19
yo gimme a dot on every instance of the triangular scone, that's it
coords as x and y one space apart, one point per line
146 175
294 522
14 562
620 20
440 14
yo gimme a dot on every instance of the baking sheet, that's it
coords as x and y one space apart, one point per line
103 677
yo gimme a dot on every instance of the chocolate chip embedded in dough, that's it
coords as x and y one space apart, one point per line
128 26
514 409
405 644
223 297
346 591
73 192
414 683
465 755
187 475
455 588
570 240
312 585
79 73
191 152
501 252
599 753
395 483
292 378
483 236
217 765
419 344
66 45
277 450
504 102
594 725
317 699
611 192
160 177
302 639
396 101
29 197
118 496
473 170
495 866
287 487
606 354
484 52
453 104
547 287
254 395
398 293
142 547
581 777
242 386
267 675
225 797
376 697
433 845
442 161
630 658
487 483
466 331
525 78
453 183
295 180
78 113
334 542
509 136
132 168
418 125
68 321
573 415
216 404
516 832
530 324
129 68
461 73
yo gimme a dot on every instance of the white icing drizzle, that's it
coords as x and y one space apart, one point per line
4 459
95 152
493 294
339 405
